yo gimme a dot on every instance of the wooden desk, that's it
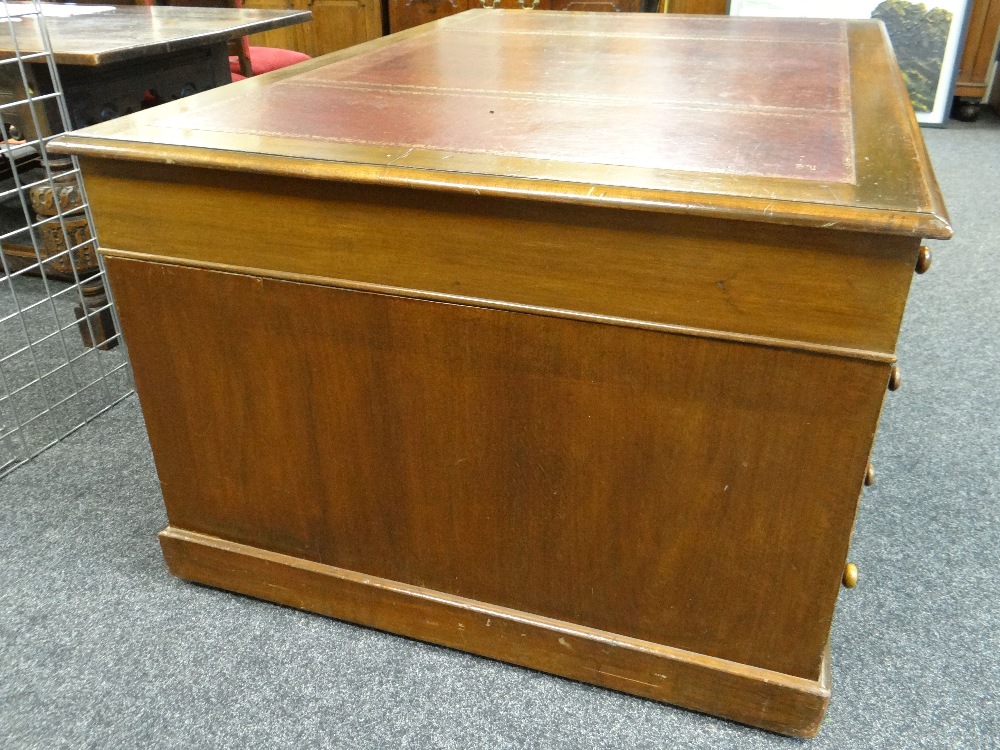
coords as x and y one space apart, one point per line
572 358
108 61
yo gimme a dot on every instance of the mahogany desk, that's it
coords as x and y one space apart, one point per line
572 357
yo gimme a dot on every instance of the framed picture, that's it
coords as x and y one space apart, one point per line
925 36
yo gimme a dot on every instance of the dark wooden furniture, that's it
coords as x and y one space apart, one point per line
108 61
602 406
335 24
20 158
405 14
977 57
720 7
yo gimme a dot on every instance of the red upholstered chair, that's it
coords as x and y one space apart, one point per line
254 61
262 59
244 60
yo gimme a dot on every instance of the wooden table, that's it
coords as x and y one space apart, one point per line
108 61
573 357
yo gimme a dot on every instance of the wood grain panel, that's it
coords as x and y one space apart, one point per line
719 7
684 491
299 37
341 23
980 43
407 14
823 288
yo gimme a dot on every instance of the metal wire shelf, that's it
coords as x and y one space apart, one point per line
62 360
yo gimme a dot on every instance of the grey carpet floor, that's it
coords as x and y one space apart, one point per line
57 384
101 648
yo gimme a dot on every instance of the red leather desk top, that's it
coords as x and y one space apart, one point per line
684 112
763 98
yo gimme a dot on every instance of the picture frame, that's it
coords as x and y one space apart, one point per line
926 36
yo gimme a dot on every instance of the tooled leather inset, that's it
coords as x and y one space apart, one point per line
757 99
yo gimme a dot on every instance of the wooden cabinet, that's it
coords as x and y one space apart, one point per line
405 14
717 7
336 24
980 42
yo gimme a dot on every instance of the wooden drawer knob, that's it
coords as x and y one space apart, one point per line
924 259
869 476
850 575
895 378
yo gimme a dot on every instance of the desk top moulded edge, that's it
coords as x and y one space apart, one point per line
886 132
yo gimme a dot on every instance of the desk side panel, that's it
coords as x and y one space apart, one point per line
684 491
802 286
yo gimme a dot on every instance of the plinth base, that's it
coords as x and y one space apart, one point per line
758 697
